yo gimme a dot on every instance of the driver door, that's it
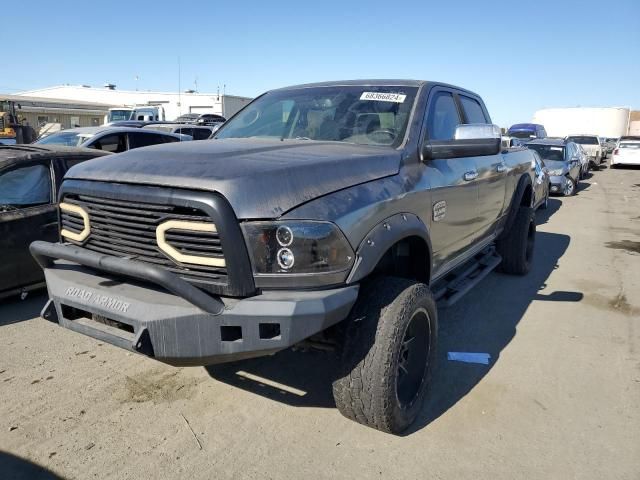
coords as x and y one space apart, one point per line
453 185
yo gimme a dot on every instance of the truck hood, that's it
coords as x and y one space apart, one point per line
260 178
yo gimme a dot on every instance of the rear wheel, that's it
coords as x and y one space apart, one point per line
516 247
388 353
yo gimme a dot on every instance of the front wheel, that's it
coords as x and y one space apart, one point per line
387 354
569 187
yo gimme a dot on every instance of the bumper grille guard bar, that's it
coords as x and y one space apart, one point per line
45 253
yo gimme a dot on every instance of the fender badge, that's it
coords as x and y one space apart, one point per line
439 210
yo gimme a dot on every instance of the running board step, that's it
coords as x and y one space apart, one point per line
456 284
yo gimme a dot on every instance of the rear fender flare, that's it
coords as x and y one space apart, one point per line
516 200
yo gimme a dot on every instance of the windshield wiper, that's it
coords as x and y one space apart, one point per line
8 208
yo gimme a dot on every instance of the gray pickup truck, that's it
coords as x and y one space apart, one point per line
342 210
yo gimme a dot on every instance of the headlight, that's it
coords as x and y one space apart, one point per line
297 247
556 173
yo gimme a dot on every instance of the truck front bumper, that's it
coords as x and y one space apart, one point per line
156 313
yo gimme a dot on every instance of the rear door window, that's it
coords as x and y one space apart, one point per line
168 139
144 139
25 186
185 131
472 109
443 117
201 133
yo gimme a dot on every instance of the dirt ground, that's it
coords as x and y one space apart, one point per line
559 399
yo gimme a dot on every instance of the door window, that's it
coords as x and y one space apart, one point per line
25 187
185 131
443 117
472 109
144 139
201 133
110 143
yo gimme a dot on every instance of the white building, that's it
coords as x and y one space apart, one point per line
610 122
174 103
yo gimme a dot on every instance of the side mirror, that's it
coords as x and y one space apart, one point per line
472 140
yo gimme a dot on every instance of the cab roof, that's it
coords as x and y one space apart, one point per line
556 142
374 83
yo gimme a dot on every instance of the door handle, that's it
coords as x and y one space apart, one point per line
468 176
501 168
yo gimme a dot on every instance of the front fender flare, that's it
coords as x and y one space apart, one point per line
382 237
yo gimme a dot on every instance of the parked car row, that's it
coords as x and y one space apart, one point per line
110 139
568 159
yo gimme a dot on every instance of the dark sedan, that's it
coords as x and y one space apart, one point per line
30 176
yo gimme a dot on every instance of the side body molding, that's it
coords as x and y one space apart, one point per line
382 237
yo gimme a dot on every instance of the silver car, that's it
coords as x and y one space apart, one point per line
562 159
584 161
110 139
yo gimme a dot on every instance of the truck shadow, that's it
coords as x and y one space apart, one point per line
477 323
543 216
14 310
16 468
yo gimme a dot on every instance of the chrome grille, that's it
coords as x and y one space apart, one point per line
128 229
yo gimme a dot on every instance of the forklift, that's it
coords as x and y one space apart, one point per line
12 131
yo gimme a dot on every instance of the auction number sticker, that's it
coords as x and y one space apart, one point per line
383 97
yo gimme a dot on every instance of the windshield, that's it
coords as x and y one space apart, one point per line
365 115
549 152
585 140
69 139
629 145
119 115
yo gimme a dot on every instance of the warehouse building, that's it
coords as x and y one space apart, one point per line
174 104
38 111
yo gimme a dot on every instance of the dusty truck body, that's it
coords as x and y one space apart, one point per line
344 209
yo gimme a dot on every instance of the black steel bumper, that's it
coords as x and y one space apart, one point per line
149 310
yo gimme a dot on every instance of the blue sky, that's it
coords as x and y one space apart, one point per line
519 55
